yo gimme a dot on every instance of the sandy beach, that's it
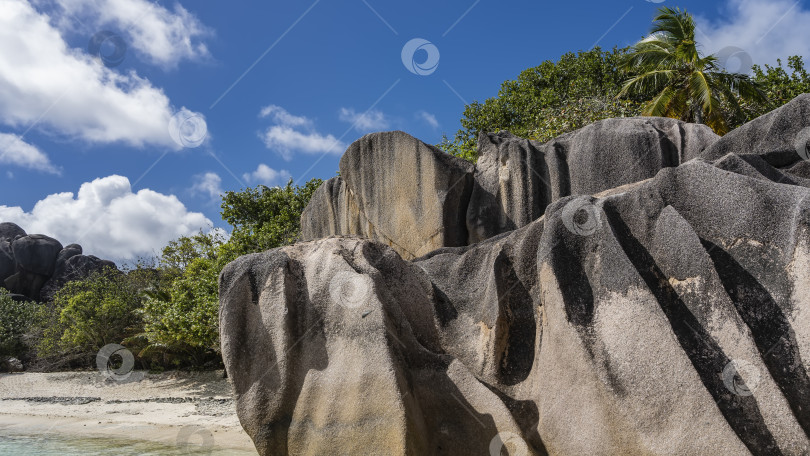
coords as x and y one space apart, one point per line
183 409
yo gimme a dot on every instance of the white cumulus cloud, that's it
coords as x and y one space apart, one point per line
109 220
293 133
209 184
15 151
62 90
765 29
266 175
158 35
364 122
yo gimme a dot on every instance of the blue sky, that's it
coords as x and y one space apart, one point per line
282 87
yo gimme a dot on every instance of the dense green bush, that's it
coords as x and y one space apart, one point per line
548 100
556 97
89 314
180 313
181 318
16 320
264 218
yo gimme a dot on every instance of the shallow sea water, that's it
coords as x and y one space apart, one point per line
54 444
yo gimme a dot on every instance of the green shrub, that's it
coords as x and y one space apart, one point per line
89 314
16 320
181 323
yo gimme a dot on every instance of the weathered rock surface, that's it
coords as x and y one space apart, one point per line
516 178
395 189
37 266
775 137
668 316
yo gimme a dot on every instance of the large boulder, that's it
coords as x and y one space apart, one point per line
10 231
648 320
395 189
36 253
36 266
333 348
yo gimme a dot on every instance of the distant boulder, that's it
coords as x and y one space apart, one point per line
7 263
36 253
77 267
10 231
37 266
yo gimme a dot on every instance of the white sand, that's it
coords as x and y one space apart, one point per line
174 408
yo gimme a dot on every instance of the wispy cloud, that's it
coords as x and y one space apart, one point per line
15 151
158 35
293 133
428 118
364 122
266 175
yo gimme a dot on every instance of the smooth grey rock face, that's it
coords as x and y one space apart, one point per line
774 136
666 316
395 189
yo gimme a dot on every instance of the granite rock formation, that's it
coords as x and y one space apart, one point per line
37 266
665 316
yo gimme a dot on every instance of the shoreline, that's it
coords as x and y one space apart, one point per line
177 409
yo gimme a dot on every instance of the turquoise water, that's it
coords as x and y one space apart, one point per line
51 445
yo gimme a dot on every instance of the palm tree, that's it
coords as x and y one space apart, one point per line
683 83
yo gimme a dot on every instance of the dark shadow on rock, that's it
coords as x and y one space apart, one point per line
515 328
741 412
773 335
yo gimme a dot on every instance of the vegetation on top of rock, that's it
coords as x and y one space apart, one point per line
558 97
